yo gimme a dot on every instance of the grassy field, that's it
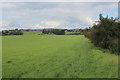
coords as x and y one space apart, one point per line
55 56
0 57
73 33
33 33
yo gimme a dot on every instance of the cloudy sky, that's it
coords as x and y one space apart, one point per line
54 14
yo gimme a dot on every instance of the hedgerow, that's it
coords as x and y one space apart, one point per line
105 34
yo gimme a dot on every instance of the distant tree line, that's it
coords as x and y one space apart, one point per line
74 31
63 31
105 34
12 32
54 31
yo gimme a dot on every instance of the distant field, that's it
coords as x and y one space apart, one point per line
0 57
72 33
40 33
33 33
55 56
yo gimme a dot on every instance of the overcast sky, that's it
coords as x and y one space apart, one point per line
59 0
54 14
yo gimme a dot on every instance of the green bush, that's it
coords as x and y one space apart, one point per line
105 34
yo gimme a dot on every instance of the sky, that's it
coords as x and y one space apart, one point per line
59 0
63 15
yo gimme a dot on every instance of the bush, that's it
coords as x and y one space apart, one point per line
105 34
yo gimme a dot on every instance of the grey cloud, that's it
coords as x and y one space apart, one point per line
60 0
29 14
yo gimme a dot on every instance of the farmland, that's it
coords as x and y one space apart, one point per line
55 56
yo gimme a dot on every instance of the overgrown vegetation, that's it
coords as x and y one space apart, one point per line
105 34
12 32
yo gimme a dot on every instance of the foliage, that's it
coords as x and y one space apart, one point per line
54 31
12 32
74 31
105 33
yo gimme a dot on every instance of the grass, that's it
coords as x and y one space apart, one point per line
33 33
73 33
55 56
0 57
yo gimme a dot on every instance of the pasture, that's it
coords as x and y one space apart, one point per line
55 56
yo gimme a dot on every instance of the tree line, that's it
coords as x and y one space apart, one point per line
105 34
12 32
63 31
54 31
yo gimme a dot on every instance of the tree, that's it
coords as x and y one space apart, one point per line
12 32
54 31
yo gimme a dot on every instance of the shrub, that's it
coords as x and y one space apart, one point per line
105 34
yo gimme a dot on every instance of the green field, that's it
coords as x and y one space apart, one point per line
55 56
0 57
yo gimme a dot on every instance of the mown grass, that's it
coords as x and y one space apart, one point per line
55 56
33 33
73 33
